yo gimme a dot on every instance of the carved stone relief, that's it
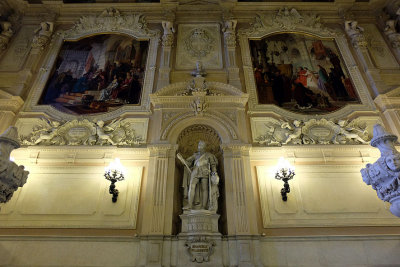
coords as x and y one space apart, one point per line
200 248
298 132
287 20
199 42
82 132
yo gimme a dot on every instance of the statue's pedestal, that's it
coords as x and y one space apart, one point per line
200 237
199 222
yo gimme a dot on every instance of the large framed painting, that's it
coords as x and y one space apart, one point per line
97 74
295 66
301 73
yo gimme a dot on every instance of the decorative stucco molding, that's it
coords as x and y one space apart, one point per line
82 132
110 20
313 131
287 20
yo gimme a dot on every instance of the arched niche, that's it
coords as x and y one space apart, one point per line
187 141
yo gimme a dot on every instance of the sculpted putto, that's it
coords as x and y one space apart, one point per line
200 181
384 174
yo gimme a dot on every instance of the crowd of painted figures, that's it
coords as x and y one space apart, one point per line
307 87
118 82
325 87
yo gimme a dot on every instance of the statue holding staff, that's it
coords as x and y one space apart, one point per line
200 180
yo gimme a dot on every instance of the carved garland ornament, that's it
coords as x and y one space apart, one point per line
82 132
313 132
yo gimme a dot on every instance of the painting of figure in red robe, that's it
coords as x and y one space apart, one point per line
97 74
301 73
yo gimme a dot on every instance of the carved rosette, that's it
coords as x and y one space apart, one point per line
384 174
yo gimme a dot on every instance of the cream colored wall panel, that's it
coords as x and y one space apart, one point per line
336 193
321 195
73 196
53 194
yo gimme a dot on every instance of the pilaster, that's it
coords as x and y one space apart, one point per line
229 30
167 42
157 219
241 214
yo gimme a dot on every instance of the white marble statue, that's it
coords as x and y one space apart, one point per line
200 181
384 174
352 29
168 27
392 34
168 36
12 176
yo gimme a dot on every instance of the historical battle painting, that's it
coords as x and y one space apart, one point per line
97 74
301 73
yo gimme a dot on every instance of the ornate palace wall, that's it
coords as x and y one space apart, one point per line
88 83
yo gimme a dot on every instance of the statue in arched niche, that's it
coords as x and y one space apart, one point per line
200 180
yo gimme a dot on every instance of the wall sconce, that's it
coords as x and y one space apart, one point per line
114 173
285 172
